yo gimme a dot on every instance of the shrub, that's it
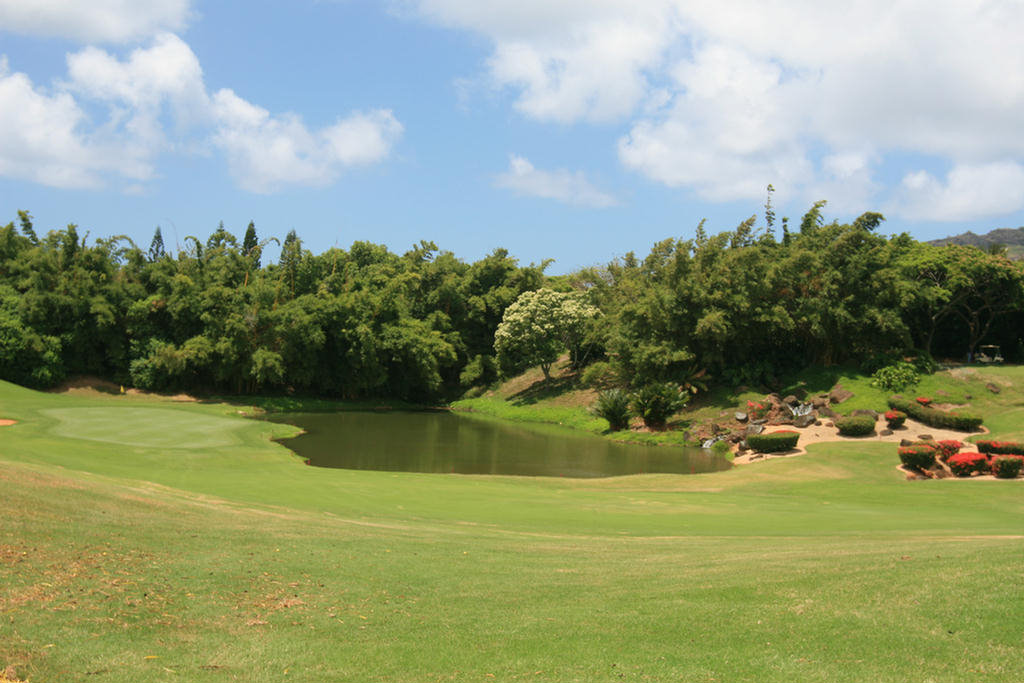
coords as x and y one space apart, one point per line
917 457
963 464
1001 447
947 448
655 403
895 377
1007 466
722 448
894 419
758 410
773 442
600 375
613 405
958 420
923 400
855 425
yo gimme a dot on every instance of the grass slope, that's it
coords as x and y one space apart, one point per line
125 556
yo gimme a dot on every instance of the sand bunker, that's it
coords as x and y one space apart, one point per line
7 423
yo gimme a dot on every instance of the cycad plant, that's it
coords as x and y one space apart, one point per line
613 405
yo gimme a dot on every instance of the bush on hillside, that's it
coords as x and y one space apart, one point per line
855 425
599 375
917 457
773 442
613 405
965 464
940 419
896 377
1000 447
655 403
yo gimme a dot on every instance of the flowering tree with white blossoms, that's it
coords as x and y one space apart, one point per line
540 325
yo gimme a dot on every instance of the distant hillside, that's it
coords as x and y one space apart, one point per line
1005 236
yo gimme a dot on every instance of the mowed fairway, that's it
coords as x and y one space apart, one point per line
149 541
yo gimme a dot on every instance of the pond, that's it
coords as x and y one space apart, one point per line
458 443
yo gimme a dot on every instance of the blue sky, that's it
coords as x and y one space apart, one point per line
576 130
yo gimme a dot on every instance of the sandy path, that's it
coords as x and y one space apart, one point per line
820 434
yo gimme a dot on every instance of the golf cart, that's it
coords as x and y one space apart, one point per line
989 353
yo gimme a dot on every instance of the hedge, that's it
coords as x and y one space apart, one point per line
773 442
855 425
917 457
1007 466
963 464
1001 447
948 448
940 419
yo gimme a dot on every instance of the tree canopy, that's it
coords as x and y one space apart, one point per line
366 322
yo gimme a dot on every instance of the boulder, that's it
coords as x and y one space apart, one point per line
838 394
741 417
830 424
828 412
759 421
804 420
993 388
925 437
819 401
775 399
866 411
905 442
754 429
791 400
885 432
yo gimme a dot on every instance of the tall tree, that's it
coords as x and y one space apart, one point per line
156 247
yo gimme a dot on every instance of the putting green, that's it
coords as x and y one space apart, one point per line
144 427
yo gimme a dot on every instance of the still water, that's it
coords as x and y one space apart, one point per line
454 443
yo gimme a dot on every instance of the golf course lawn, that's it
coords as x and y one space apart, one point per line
148 540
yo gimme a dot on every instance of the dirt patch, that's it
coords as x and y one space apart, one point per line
7 423
87 385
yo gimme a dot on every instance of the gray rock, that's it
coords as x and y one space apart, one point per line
741 417
817 423
886 432
804 421
905 442
828 412
819 401
925 437
791 400
759 421
754 429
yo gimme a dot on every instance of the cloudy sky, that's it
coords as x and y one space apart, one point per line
572 129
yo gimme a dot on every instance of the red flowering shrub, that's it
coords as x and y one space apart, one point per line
1007 466
919 457
964 464
948 447
895 418
758 411
1001 447
923 400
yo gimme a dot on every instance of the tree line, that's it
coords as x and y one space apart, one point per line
741 306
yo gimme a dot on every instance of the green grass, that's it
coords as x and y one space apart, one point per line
127 557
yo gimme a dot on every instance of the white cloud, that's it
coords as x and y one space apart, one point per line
561 184
969 191
41 139
94 21
569 60
111 118
267 152
722 98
